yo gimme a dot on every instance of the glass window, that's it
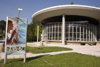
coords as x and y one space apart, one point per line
74 31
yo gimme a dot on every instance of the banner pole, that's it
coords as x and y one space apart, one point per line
25 56
26 43
5 58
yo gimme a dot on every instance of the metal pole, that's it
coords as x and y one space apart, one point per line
18 14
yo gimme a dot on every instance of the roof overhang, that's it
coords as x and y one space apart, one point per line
81 10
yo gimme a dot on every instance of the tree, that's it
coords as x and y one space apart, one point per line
32 32
71 3
2 27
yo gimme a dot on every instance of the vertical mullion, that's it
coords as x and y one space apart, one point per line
52 31
86 32
76 33
80 31
91 33
58 31
96 33
69 31
83 32
72 32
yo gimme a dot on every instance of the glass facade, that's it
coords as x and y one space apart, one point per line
81 31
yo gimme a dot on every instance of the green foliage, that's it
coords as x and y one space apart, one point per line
32 32
71 3
46 49
2 28
2 24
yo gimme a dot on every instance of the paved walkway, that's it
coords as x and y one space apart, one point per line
89 50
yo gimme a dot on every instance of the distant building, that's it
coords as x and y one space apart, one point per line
69 24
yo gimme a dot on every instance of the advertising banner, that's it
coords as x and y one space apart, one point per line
16 36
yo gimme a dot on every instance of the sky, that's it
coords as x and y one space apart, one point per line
10 7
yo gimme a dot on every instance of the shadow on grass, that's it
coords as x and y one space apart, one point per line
9 61
32 58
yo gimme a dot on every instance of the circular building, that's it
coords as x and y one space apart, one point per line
69 24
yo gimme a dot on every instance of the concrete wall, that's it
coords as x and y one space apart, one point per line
75 43
55 42
98 44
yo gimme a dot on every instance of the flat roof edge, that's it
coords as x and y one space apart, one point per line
62 7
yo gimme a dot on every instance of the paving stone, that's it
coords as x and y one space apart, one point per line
17 56
10 57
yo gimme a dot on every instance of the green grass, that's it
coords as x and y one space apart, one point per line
46 49
60 60
73 60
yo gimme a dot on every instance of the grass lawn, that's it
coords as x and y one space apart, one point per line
60 60
46 49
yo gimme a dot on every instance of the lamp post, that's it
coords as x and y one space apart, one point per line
19 9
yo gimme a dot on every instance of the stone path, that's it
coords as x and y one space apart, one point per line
89 50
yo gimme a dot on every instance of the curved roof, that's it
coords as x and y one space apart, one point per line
81 10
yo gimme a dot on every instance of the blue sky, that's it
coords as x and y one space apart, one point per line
10 7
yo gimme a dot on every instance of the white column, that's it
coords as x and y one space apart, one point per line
93 33
42 34
37 32
46 34
49 32
63 29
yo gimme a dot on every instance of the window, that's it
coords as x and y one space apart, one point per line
74 31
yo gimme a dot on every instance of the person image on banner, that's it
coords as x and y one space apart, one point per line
12 33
